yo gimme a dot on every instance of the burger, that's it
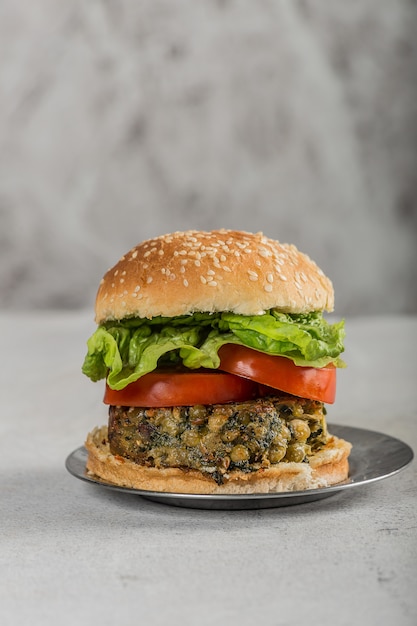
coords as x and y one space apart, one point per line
218 363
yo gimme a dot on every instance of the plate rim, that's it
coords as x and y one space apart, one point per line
310 494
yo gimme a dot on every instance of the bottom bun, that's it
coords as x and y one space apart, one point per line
326 467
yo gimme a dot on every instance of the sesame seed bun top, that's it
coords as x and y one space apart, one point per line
221 270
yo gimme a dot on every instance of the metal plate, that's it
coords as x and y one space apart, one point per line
374 456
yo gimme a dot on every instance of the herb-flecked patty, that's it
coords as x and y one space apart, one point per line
216 439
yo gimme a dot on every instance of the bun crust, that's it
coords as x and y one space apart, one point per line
222 270
327 467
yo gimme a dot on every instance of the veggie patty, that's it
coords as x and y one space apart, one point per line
218 438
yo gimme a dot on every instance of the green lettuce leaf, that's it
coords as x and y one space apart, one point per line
124 351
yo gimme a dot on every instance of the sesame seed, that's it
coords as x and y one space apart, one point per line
185 281
122 280
211 272
134 295
298 285
270 277
212 283
182 269
161 252
184 261
282 277
137 288
116 272
268 287
258 263
223 258
134 254
149 279
197 263
163 270
147 253
172 276
203 279
112 285
226 268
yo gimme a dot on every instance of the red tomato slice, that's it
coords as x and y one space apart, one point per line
280 373
165 388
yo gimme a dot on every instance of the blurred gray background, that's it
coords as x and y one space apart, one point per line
120 120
